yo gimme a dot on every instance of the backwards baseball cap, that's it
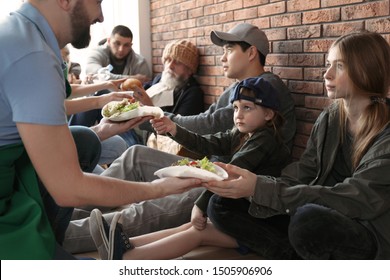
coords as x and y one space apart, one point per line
183 51
243 32
265 94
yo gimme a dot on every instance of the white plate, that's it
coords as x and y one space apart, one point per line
141 111
192 172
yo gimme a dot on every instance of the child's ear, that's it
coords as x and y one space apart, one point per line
269 114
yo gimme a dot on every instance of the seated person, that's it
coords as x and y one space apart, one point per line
117 51
176 90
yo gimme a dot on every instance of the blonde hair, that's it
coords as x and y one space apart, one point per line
367 58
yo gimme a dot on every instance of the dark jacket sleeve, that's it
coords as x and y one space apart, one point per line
190 102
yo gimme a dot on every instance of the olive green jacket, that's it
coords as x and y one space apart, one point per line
365 196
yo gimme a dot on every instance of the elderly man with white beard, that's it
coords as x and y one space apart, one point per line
175 90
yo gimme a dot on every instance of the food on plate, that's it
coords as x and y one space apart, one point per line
187 168
130 84
115 108
127 109
204 164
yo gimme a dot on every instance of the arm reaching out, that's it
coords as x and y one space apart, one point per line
164 125
241 183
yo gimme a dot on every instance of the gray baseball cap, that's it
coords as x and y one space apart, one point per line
243 32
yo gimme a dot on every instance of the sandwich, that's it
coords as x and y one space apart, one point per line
113 109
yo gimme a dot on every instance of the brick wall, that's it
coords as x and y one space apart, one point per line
300 33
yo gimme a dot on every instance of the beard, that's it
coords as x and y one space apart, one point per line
80 26
171 80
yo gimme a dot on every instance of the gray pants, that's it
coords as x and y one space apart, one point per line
138 163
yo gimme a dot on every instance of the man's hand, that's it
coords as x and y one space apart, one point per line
112 96
173 185
142 96
114 85
105 129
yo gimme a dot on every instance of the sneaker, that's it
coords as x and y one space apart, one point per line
99 231
118 242
111 241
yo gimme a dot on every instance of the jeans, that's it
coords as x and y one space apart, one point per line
266 237
88 149
138 163
318 232
112 148
132 138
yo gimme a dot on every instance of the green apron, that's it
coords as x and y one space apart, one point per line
25 231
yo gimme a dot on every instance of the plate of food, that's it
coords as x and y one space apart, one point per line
187 168
125 110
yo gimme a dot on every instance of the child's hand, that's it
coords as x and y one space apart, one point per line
164 125
198 219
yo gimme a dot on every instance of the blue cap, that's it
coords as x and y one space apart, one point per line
266 94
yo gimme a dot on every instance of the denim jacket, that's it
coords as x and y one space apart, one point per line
365 196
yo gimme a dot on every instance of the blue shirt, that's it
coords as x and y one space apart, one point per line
32 85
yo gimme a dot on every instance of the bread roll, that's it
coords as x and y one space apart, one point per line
130 84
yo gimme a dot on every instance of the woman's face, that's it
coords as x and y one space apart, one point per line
337 81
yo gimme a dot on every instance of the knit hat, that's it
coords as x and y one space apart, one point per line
182 51
243 32
265 94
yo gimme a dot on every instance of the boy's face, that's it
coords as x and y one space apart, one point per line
234 61
249 117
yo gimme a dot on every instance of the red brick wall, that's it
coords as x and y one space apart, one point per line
300 33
